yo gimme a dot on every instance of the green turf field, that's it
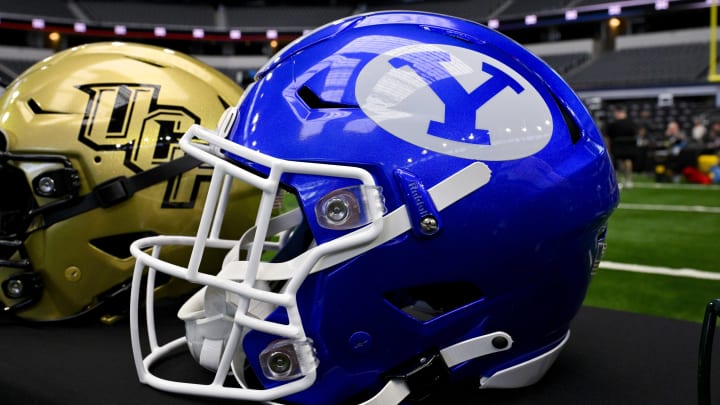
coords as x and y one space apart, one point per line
665 228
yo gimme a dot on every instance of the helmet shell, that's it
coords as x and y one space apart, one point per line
428 95
113 109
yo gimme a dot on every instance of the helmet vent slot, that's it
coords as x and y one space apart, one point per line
146 61
427 302
36 108
572 126
313 101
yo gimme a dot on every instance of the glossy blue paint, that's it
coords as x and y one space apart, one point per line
525 240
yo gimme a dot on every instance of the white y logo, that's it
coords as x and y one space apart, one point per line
455 101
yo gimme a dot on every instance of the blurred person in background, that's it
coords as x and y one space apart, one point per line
675 137
711 140
621 139
682 152
698 130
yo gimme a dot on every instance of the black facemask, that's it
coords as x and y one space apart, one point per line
18 210
18 205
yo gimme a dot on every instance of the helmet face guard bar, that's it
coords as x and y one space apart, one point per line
246 287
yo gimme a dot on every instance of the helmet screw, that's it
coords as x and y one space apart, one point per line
336 209
429 224
279 362
46 185
72 273
15 288
360 341
500 342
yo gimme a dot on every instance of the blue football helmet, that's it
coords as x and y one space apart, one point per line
446 197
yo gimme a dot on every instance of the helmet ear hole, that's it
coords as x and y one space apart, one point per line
427 302
119 245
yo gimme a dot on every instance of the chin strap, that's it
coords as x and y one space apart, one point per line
119 189
430 370
418 380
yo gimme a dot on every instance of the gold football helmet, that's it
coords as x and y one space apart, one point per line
89 162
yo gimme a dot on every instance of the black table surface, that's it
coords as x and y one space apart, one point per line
612 357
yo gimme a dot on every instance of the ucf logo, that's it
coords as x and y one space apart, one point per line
126 118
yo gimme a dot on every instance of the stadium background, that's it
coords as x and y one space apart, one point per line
653 57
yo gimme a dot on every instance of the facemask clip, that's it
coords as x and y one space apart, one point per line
288 359
26 286
350 207
57 183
